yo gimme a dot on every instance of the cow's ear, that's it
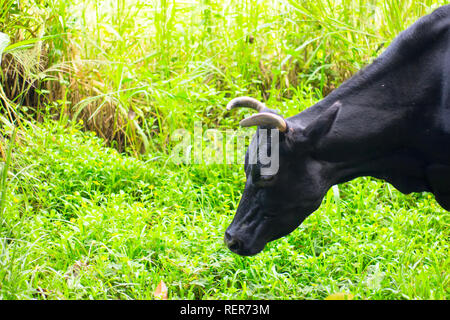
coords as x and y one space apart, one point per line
320 126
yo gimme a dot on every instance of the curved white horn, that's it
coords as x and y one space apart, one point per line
266 120
246 102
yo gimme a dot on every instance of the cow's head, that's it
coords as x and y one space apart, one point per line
274 204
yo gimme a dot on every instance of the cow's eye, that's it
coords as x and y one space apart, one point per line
267 178
265 181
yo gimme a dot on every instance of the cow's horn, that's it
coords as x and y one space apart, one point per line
246 102
266 120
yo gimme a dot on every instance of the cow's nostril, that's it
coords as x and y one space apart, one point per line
232 242
227 236
234 245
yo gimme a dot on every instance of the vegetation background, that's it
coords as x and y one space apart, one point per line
93 208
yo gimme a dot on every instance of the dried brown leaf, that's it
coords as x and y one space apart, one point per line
161 291
75 270
340 296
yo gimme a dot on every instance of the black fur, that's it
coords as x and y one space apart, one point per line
391 121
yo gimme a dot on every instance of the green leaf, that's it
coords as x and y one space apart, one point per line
24 44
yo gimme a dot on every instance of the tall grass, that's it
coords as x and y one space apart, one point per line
133 70
4 175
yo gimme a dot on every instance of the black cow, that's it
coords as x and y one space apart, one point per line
390 121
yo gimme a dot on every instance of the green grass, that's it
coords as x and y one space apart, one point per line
137 222
92 205
134 71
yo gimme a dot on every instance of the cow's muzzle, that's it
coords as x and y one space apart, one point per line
241 246
233 243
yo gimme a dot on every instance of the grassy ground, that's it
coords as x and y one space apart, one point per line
83 220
